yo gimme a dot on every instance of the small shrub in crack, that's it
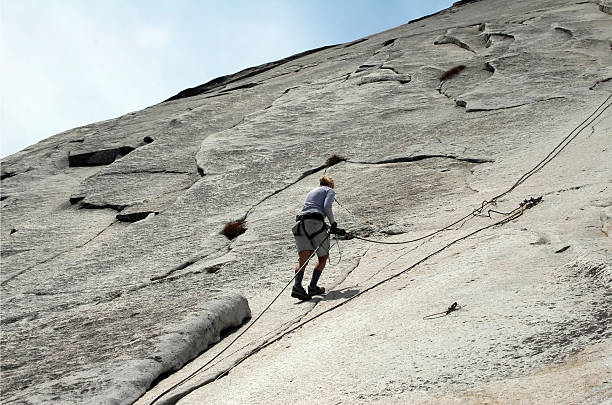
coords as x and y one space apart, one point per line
334 160
451 72
234 228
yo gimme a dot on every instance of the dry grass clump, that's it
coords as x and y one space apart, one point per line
333 160
234 228
451 72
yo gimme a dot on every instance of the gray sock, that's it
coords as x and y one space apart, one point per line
298 278
315 278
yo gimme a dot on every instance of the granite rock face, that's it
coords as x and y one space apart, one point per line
115 274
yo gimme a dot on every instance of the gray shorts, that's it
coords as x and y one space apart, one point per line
304 243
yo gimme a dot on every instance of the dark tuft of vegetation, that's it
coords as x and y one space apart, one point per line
234 228
451 72
334 160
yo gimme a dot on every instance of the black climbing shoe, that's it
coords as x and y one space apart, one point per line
300 293
316 290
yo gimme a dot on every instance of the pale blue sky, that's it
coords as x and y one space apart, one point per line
66 63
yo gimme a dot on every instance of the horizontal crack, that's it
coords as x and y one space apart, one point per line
512 106
416 158
98 157
92 206
390 68
144 171
446 39
607 79
134 216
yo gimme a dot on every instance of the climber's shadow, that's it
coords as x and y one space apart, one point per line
344 293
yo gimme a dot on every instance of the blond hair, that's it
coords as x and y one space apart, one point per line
326 180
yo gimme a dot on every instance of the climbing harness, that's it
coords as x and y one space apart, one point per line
311 215
451 308
512 215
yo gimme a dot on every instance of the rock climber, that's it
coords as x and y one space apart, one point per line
310 232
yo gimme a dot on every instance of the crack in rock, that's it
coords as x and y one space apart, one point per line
7 253
98 158
607 79
242 86
507 107
134 216
142 172
193 260
364 67
565 31
449 39
489 36
4 282
374 78
303 176
289 329
6 175
92 206
222 81
416 158
390 68
389 42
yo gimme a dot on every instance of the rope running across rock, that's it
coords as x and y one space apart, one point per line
510 216
493 201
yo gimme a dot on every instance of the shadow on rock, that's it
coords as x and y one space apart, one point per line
341 294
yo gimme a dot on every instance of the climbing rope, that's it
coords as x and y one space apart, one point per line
301 269
493 201
512 215
526 204
515 215
336 243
